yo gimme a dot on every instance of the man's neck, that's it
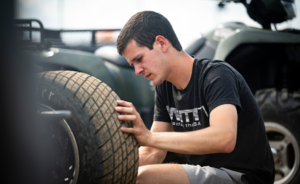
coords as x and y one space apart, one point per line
181 70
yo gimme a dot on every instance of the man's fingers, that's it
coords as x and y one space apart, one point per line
124 103
125 110
127 117
129 130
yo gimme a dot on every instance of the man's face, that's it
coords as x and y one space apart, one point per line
149 63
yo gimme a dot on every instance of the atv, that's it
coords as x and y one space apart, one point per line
79 134
269 60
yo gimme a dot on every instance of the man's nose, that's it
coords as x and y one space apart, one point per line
138 69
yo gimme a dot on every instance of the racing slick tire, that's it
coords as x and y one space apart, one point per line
281 113
90 148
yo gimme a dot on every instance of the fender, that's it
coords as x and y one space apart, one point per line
78 60
252 35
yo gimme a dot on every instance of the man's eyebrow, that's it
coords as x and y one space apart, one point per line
135 57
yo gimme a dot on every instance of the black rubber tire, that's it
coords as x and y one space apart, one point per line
281 113
106 154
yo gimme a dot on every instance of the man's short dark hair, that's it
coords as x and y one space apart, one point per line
143 27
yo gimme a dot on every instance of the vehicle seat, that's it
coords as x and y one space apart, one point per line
109 53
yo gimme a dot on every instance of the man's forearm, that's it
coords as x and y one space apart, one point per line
205 141
219 137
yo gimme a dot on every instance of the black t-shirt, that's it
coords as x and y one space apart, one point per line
214 83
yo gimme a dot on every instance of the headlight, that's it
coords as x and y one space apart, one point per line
222 33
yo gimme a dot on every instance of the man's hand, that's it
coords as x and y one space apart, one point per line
139 130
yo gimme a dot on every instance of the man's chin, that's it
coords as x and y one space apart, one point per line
157 83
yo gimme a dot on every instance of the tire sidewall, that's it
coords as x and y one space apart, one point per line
61 100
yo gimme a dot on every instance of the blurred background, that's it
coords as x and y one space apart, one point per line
189 18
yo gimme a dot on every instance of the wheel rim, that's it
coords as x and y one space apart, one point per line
285 151
60 158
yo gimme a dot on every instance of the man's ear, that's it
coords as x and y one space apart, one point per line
162 43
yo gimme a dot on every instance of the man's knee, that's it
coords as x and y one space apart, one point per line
143 174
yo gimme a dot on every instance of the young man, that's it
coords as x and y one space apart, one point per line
203 109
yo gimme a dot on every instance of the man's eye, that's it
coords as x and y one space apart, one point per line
139 59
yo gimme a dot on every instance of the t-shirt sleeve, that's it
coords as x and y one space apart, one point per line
160 108
221 87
